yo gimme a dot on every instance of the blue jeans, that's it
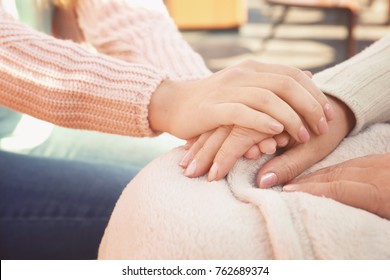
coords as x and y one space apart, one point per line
58 186
55 208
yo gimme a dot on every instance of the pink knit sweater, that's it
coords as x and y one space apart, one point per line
109 90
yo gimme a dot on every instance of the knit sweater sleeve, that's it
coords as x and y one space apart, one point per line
126 30
362 83
63 83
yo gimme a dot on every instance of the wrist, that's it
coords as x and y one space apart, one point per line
161 104
344 120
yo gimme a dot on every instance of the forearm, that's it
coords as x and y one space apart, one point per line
362 83
127 31
62 83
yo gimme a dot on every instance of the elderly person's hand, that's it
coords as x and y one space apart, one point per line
362 183
299 157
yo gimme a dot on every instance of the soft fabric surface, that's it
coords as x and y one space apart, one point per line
164 215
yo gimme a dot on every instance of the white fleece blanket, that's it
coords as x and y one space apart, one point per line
164 215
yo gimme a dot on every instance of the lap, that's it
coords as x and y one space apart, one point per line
51 208
181 218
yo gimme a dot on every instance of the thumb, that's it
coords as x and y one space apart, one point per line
285 167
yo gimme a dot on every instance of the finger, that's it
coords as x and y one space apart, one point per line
242 115
190 142
253 153
299 76
288 165
266 102
235 146
339 172
294 94
308 73
355 194
195 147
282 139
268 146
299 157
187 145
204 156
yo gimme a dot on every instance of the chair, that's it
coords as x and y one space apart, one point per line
349 7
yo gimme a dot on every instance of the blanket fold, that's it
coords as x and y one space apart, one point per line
164 215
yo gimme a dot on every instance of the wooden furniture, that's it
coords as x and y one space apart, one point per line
207 14
388 11
349 7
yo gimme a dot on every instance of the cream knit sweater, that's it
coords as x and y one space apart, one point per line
363 83
63 83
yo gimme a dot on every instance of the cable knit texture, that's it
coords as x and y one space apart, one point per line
367 93
63 83
122 29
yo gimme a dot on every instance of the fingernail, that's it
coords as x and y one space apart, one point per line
190 171
303 134
323 127
186 159
268 180
329 112
290 188
213 172
271 151
276 127
283 142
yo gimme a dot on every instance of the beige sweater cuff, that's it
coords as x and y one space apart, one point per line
362 83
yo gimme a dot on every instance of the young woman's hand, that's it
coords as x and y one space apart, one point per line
361 183
267 98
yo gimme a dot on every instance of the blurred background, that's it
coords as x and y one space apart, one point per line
309 34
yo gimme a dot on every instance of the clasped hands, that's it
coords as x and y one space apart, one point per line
247 109
251 109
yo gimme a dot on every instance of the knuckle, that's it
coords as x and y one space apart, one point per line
282 139
198 144
287 83
249 62
196 147
336 190
334 174
204 161
236 111
231 74
202 152
315 110
296 73
261 119
292 123
244 136
264 97
376 199
291 167
226 155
